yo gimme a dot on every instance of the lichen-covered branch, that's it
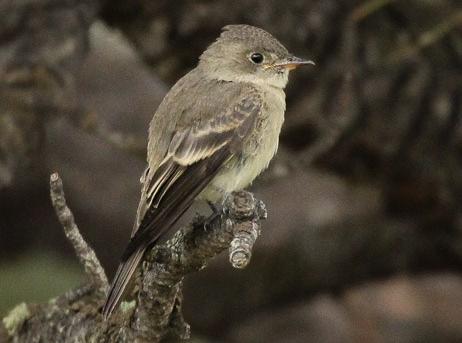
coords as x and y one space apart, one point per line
188 251
156 313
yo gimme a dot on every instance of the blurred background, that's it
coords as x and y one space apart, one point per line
363 241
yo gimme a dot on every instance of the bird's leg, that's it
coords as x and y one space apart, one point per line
198 220
203 221
217 210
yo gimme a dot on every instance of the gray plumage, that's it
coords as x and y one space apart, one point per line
213 133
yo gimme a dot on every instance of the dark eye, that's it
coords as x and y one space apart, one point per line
256 58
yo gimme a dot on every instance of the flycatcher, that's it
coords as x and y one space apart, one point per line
214 132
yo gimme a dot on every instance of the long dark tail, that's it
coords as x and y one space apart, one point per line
157 221
121 279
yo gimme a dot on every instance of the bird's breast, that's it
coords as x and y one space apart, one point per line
260 147
257 151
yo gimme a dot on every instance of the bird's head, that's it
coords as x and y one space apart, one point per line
248 54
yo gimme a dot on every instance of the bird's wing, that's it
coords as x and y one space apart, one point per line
194 157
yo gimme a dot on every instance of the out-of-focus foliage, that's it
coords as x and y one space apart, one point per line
36 276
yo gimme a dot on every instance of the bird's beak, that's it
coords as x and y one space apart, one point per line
293 63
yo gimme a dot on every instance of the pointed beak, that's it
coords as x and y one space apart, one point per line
293 63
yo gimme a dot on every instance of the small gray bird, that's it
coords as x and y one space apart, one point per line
214 132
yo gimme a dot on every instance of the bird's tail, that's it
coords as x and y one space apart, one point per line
121 279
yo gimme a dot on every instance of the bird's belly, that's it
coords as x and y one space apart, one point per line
238 174
258 150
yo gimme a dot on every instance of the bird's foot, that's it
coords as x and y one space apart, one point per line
217 211
217 208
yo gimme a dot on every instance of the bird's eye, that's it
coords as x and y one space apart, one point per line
256 58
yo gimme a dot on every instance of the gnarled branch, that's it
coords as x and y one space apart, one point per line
156 313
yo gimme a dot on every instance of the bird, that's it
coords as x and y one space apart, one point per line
214 132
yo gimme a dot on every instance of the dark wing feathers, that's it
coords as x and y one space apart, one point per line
194 157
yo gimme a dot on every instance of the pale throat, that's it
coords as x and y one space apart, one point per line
276 80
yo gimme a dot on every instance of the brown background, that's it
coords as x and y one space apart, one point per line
364 239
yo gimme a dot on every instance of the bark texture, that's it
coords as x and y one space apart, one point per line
156 311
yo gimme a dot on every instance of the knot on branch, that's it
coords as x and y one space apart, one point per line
243 205
240 250
245 211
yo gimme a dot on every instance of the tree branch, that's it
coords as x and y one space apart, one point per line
84 252
190 250
156 313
